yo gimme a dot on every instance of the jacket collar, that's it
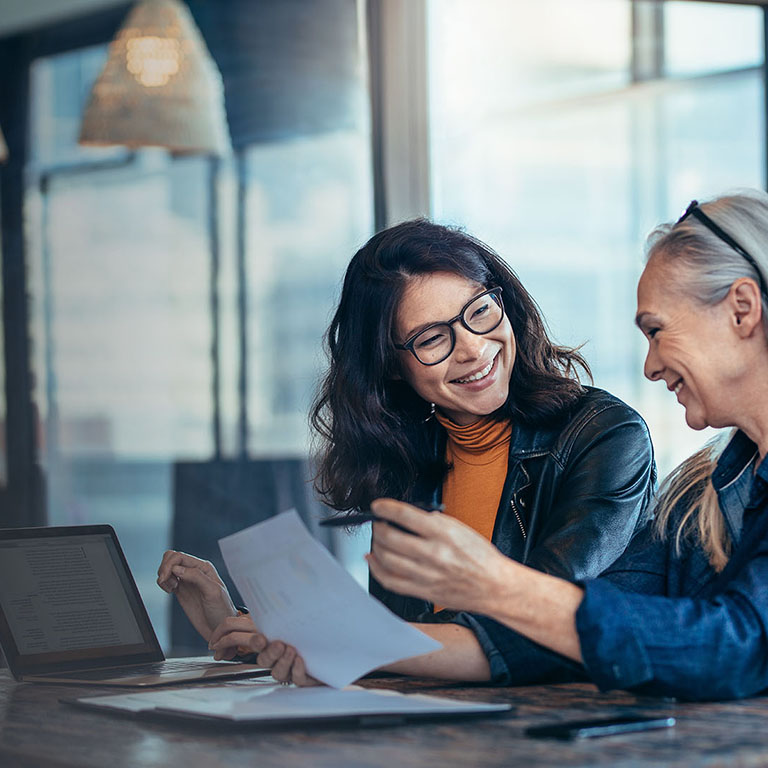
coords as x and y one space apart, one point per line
525 441
732 480
532 441
735 458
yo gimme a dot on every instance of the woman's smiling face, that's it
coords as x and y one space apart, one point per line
692 348
487 359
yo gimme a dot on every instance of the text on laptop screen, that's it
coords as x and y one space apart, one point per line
65 594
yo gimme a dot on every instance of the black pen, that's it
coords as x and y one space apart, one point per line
368 517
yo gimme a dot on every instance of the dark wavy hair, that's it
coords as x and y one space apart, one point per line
371 438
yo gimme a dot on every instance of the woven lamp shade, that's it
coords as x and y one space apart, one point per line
160 87
3 148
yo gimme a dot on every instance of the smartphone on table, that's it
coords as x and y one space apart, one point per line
606 726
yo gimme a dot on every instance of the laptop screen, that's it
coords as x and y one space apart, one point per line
68 601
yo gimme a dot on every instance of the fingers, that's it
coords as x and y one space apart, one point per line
427 524
242 626
170 584
170 558
166 579
387 538
226 654
281 668
406 563
416 567
271 654
299 674
289 667
235 635
421 525
447 563
235 643
193 575
408 554
440 539
395 582
239 632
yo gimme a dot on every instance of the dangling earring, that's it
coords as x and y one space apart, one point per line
431 413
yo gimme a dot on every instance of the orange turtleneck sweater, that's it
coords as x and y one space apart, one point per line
478 454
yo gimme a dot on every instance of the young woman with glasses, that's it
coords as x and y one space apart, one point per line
445 389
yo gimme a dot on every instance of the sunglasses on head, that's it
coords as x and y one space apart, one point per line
695 210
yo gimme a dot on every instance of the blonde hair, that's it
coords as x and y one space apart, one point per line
690 484
707 268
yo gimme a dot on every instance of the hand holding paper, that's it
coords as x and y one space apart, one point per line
239 635
296 592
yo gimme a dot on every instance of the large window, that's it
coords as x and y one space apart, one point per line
548 141
149 344
121 333
308 210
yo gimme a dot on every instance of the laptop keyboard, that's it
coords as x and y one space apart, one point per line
139 670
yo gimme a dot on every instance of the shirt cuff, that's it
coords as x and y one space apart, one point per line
611 647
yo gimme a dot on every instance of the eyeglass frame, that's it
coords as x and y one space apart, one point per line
494 292
694 209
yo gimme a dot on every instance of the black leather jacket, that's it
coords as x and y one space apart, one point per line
574 496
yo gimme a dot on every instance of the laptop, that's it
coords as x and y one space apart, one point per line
70 612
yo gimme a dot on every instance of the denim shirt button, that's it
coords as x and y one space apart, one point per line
616 669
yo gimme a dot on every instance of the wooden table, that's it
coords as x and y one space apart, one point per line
37 731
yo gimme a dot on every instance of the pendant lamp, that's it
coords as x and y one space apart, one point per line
3 148
160 87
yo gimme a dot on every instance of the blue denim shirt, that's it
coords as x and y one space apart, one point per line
664 622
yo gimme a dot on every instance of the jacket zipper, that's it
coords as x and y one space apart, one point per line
519 519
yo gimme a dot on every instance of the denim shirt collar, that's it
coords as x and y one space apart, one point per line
732 480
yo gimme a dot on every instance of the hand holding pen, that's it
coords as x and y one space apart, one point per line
358 518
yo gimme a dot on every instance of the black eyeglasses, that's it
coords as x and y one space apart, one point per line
694 210
479 315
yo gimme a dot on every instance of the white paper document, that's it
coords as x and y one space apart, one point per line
297 592
216 697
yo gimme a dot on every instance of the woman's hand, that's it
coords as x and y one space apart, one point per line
445 562
239 635
199 589
453 566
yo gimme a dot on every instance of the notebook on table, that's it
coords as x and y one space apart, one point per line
254 704
70 612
